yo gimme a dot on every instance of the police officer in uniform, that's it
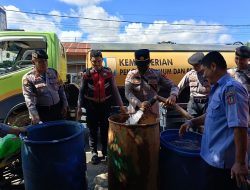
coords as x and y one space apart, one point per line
224 141
97 92
143 83
43 91
199 86
242 72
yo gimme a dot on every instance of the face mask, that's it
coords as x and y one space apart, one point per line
143 69
142 63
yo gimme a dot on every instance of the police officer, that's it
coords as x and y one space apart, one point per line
224 141
242 72
97 92
143 83
198 85
43 91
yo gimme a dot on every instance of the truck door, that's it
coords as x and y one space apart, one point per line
15 61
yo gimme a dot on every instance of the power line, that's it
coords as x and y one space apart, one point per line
169 31
43 22
154 15
125 21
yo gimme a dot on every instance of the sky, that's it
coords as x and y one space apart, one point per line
134 21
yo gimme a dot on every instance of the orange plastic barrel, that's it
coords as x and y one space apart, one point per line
133 152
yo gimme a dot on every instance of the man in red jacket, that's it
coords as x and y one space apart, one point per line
97 91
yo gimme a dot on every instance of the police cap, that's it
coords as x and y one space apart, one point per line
243 51
196 58
142 57
39 54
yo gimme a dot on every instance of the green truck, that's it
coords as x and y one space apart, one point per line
15 60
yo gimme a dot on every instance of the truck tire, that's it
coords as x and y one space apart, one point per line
19 119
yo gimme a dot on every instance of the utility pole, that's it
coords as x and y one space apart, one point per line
3 21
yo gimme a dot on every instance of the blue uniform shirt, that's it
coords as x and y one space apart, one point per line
227 108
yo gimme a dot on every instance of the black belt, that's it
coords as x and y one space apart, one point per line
200 100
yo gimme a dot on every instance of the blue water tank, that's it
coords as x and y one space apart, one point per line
180 161
53 156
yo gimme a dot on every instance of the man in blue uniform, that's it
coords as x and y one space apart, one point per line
224 142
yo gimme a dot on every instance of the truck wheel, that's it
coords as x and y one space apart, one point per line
19 119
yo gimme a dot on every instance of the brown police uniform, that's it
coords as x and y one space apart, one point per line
242 75
198 85
199 90
138 90
44 95
143 87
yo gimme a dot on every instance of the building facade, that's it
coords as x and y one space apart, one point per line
76 58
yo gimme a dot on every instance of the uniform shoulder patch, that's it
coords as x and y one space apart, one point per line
25 81
230 96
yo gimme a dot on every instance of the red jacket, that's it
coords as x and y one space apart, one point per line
96 85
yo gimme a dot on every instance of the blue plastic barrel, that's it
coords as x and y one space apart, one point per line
180 161
53 156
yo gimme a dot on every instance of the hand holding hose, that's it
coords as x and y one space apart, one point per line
35 119
185 127
144 106
123 109
171 100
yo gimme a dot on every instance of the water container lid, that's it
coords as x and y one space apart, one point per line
53 124
188 145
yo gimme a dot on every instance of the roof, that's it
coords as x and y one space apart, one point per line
161 47
75 48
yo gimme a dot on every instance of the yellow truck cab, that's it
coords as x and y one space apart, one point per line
171 59
15 60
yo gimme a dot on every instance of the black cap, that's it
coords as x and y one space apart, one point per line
243 51
39 54
196 58
142 57
95 53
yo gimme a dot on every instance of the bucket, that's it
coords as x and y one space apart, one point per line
53 156
180 161
133 152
